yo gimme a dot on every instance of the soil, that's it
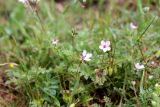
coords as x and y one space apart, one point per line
6 96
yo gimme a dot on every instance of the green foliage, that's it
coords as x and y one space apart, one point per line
54 75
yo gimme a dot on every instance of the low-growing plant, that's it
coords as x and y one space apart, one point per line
95 59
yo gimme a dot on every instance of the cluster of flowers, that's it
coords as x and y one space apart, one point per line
104 46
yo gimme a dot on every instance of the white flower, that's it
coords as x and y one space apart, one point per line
133 82
86 56
146 9
157 85
139 66
152 62
55 41
22 1
105 46
133 26
150 77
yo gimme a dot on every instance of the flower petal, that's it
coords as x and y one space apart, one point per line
87 59
132 26
103 42
139 66
101 47
106 49
84 53
107 43
89 55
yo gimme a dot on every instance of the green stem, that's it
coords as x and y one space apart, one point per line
37 14
147 28
77 82
138 103
142 54
141 82
123 90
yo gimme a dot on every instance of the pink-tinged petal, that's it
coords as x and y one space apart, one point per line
132 26
107 43
139 66
105 46
85 56
84 53
103 42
